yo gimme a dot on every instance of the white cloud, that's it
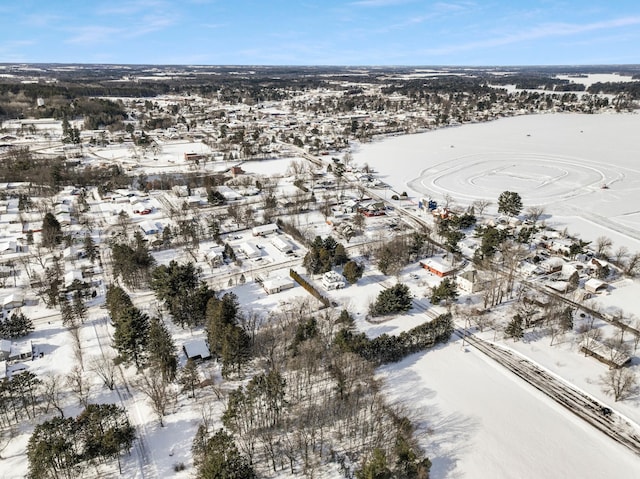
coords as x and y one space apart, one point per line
547 30
91 34
43 20
380 3
132 7
213 26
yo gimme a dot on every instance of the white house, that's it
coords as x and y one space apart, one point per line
333 280
215 255
552 265
71 276
8 247
150 227
469 281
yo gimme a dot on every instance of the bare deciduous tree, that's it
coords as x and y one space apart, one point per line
603 247
590 337
105 367
620 254
480 205
534 213
159 392
7 433
52 393
632 265
621 383
77 382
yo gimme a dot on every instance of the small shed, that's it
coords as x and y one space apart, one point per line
595 285
196 349
13 301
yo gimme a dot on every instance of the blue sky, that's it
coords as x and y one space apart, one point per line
321 32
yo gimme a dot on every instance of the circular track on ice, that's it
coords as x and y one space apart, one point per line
537 178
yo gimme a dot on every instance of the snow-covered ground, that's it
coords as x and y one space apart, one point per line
476 419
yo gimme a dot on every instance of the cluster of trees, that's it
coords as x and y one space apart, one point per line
131 334
407 465
139 340
396 299
47 175
147 344
19 396
450 230
70 134
184 295
216 455
385 349
447 290
396 253
323 255
15 326
309 403
228 340
132 262
64 447
51 231
492 238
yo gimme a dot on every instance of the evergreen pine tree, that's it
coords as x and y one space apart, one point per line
223 460
162 350
16 326
131 336
515 328
79 308
90 248
189 377
51 231
67 312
